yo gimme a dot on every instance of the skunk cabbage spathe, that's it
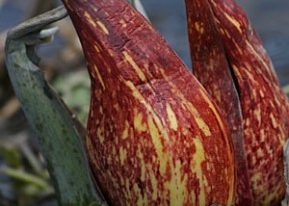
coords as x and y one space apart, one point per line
154 135
228 57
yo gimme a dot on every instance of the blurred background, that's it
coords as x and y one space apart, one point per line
23 176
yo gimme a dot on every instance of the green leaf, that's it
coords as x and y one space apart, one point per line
52 122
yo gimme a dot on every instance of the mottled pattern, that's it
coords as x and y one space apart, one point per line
210 66
154 135
264 106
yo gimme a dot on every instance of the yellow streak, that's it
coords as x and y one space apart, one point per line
154 132
125 131
139 154
198 159
141 201
102 27
128 191
94 24
134 66
273 120
237 46
236 71
200 122
262 94
177 186
172 117
199 27
154 183
268 199
257 114
153 121
122 155
100 134
89 19
255 179
138 122
235 22
99 76
96 49
193 198
249 75
122 22
156 127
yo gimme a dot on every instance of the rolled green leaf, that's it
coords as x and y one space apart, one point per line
55 128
